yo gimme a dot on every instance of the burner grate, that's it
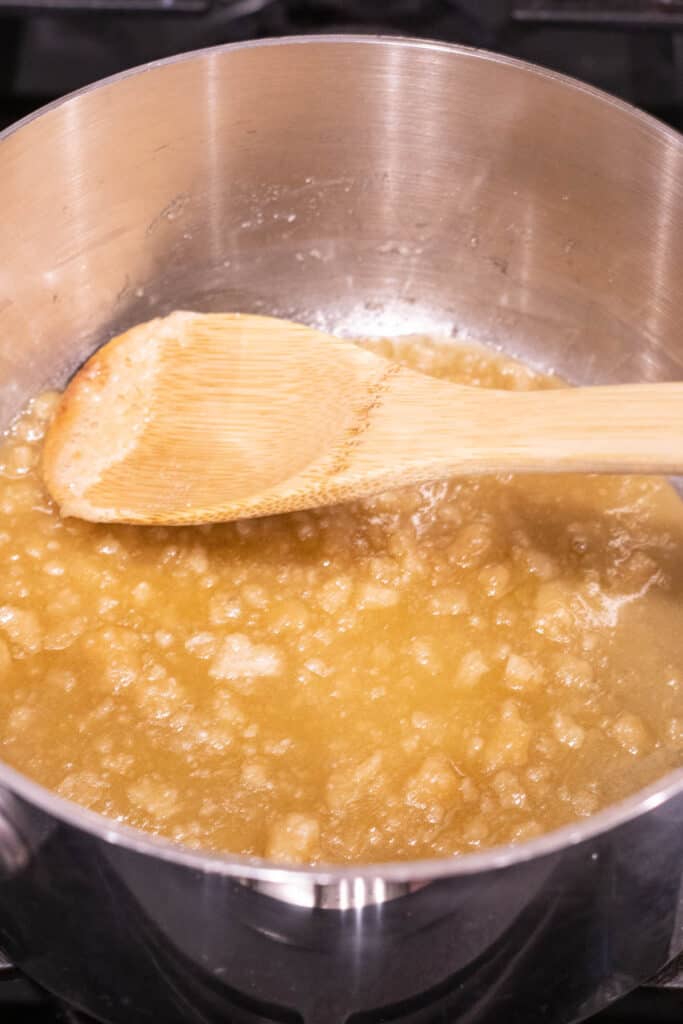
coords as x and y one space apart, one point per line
659 14
660 1002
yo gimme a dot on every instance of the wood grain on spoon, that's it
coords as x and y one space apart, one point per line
198 418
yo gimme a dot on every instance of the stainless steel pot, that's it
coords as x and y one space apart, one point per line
365 185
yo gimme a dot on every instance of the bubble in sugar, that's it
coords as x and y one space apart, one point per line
202 645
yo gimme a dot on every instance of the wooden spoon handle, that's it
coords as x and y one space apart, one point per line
424 427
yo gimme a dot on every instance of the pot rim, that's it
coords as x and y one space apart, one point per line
260 869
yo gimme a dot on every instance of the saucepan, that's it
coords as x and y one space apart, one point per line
367 186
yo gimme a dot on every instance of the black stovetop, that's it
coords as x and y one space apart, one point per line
23 1003
632 49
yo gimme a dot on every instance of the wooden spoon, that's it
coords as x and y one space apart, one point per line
203 417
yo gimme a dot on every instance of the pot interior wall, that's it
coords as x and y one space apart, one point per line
363 186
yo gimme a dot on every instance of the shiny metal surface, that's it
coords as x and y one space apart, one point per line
13 854
365 186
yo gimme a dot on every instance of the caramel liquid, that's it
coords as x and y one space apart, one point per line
426 673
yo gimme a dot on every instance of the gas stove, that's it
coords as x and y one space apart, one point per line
632 49
660 1002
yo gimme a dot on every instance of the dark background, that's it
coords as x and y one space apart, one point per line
632 48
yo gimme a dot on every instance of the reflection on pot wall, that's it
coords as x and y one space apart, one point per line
549 939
